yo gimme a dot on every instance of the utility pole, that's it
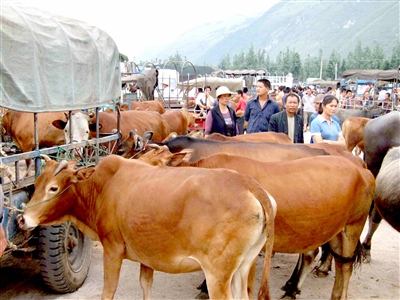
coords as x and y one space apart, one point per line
320 70
335 71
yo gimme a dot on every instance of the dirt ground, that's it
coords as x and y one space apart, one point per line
378 280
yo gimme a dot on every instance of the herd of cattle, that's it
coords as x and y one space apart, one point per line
186 203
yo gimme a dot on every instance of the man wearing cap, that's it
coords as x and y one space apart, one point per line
288 121
221 118
260 109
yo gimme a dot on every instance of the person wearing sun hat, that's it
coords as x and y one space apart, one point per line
221 118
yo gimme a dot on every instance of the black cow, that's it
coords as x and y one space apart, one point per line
267 152
344 114
380 135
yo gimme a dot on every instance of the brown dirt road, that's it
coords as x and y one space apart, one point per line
378 280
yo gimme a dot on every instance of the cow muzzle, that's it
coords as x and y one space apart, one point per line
25 223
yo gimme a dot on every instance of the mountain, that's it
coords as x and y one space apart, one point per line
305 26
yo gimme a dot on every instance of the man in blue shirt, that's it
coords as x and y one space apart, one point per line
260 109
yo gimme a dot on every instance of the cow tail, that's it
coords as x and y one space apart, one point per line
357 257
269 207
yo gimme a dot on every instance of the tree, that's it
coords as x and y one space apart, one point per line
378 57
225 62
261 60
311 67
239 61
250 59
177 59
297 69
332 64
123 57
395 59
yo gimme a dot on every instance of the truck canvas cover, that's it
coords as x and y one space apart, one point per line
53 63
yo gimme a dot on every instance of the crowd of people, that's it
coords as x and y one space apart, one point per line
289 110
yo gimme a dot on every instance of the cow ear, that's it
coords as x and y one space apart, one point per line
188 154
92 127
84 173
60 124
147 136
176 159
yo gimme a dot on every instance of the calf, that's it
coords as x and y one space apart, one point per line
353 133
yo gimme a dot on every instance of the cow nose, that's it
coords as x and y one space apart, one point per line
21 221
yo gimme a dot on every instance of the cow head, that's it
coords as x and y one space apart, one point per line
55 194
134 144
80 127
161 156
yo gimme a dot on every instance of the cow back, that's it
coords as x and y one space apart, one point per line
257 137
152 105
258 151
141 121
175 121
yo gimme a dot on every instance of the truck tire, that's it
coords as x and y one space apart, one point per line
65 255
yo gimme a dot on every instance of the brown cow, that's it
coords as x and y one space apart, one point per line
53 129
175 121
191 119
153 105
133 210
307 217
19 125
141 121
353 132
257 137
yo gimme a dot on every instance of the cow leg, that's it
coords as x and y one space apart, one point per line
29 164
325 262
251 280
219 288
112 260
373 223
146 280
203 291
293 285
347 250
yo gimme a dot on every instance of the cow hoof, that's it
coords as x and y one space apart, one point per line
291 295
202 295
320 273
367 257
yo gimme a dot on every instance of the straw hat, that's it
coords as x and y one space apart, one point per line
222 90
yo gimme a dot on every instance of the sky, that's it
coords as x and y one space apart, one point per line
137 24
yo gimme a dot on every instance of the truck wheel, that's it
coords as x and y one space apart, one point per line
65 255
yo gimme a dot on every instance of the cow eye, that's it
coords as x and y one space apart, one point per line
54 189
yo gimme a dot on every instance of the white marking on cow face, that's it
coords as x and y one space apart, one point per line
80 128
28 223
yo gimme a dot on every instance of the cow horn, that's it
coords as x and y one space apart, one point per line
45 157
63 164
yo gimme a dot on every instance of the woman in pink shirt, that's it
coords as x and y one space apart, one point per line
240 111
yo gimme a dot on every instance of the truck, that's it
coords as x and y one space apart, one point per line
48 64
